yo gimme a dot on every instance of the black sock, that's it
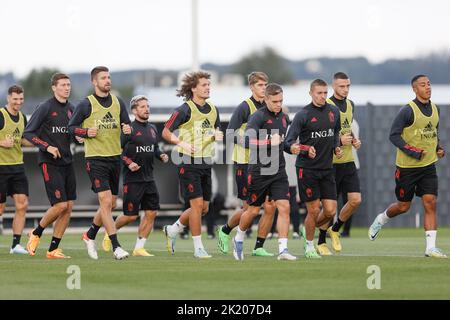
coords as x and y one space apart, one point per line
226 229
114 241
337 225
259 242
54 244
38 231
322 237
16 240
92 232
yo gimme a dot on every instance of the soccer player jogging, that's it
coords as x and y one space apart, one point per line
415 134
13 181
48 130
139 188
239 119
345 172
264 134
98 119
317 127
197 124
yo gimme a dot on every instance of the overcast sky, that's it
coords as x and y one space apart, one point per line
77 35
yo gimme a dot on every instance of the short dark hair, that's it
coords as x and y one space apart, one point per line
58 76
340 75
256 76
417 77
273 89
97 70
15 89
318 83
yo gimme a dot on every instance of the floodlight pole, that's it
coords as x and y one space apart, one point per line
194 11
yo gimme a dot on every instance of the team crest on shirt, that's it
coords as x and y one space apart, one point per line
69 114
284 122
57 194
153 133
331 116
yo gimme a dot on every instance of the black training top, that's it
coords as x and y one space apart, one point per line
48 126
260 128
141 146
318 127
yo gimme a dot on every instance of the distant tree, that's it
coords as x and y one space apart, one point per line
268 61
37 82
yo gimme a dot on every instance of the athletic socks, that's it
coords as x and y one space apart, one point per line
322 237
92 232
226 229
16 240
38 231
198 244
337 225
430 236
54 244
310 245
140 243
240 235
115 243
176 228
259 242
383 218
282 244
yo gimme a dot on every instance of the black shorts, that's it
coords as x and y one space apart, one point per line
11 184
260 186
60 182
418 181
104 175
195 182
241 180
346 176
316 184
139 196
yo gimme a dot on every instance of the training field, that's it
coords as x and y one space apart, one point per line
405 273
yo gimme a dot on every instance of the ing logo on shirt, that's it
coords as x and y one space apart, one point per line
16 136
107 122
203 128
429 132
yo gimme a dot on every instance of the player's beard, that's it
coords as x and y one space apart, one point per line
105 89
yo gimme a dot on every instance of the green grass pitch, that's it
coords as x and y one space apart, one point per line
405 273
